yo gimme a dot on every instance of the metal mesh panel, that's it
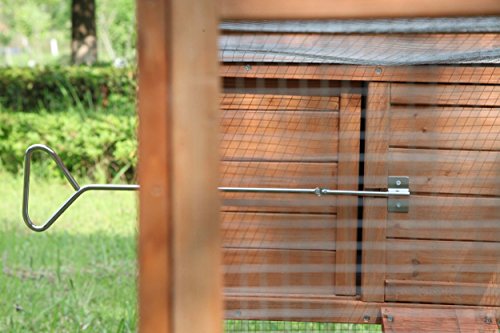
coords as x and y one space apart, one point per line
306 108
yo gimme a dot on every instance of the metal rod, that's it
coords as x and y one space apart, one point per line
79 190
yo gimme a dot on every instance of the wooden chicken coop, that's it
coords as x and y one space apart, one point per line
311 104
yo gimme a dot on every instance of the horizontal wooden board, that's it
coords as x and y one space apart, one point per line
443 292
278 231
446 127
412 319
448 218
428 94
447 171
351 9
448 261
279 271
438 74
268 102
321 309
275 136
279 174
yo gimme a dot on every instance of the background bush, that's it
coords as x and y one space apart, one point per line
97 146
61 88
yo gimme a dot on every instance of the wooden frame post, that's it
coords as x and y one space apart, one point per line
180 284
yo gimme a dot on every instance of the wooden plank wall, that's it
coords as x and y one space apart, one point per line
281 134
445 138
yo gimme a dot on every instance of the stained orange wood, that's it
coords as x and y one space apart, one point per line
347 211
320 308
154 251
446 127
377 139
428 94
267 102
373 260
279 271
278 231
197 280
452 261
447 218
344 9
276 174
447 171
438 74
279 136
411 319
443 292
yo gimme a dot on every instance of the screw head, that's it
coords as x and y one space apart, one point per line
378 70
398 204
248 67
398 182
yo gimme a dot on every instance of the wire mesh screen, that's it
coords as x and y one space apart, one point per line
363 159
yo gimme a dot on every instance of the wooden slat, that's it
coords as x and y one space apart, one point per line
275 136
266 102
377 136
446 127
279 271
425 260
412 319
154 251
373 249
443 292
347 211
278 231
447 171
277 174
448 218
426 94
438 74
320 309
345 9
196 289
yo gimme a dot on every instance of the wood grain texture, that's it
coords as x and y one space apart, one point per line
278 231
277 174
428 94
446 127
276 136
267 102
154 251
411 319
377 136
345 9
447 171
320 308
197 259
443 292
452 261
279 271
448 218
373 262
347 211
438 74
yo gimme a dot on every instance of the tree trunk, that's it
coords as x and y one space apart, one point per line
83 32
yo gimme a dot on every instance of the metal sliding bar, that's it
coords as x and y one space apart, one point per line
398 187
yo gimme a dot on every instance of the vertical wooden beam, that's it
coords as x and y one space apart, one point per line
347 211
180 284
375 209
197 264
154 170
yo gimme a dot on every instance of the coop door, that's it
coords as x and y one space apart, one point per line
446 249
289 134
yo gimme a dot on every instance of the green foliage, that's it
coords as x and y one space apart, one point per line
60 88
99 146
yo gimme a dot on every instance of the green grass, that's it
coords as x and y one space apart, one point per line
80 276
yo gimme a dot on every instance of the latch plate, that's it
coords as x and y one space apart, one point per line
398 184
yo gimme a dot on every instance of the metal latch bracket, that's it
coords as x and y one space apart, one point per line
398 185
